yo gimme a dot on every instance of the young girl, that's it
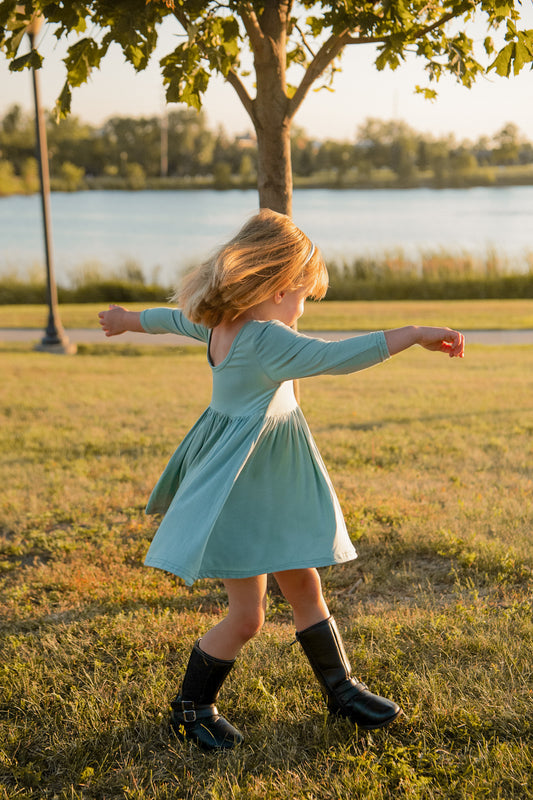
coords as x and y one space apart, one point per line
246 493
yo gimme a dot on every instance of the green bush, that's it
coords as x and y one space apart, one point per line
412 288
118 291
71 177
110 291
13 291
9 182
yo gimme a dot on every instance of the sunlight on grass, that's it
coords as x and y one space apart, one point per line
350 315
432 459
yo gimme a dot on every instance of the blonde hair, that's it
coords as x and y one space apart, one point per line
269 254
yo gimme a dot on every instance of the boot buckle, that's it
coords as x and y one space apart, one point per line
187 709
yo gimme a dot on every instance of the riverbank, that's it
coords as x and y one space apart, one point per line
336 180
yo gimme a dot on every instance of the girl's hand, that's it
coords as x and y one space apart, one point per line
114 321
444 340
439 339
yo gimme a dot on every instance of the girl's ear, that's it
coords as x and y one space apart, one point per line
278 297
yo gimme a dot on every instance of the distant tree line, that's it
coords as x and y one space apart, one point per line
179 150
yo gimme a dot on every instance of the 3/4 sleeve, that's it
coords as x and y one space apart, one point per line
285 354
172 320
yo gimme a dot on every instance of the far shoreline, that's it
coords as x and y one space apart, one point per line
495 178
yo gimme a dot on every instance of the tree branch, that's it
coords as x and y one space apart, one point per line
252 26
335 44
327 53
442 21
182 18
304 40
234 80
416 34
323 58
366 39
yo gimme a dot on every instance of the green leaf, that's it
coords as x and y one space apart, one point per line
502 62
7 8
82 57
316 24
16 39
191 97
297 55
290 90
231 47
387 58
173 93
135 56
81 26
511 30
32 60
489 46
526 39
521 56
429 94
63 102
500 10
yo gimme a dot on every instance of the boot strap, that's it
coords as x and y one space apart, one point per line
349 688
188 711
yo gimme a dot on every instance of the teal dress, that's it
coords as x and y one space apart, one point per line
247 492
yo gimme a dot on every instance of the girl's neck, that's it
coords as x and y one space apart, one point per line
254 313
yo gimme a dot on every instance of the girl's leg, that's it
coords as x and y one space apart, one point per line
302 588
245 617
322 644
194 713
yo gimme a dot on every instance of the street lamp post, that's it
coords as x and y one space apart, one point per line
55 340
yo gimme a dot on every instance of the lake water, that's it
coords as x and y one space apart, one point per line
164 232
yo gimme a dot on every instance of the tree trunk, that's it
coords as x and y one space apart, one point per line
270 110
270 115
274 172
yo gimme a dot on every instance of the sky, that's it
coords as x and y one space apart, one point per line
360 92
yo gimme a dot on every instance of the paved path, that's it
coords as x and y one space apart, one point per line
92 336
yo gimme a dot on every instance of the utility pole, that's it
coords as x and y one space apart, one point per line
164 143
55 340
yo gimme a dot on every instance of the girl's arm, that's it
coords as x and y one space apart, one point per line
119 320
444 340
285 354
152 320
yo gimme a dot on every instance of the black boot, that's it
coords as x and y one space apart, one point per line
194 713
345 695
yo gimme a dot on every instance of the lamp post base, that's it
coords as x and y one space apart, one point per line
63 347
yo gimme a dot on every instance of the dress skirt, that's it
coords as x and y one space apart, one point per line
246 492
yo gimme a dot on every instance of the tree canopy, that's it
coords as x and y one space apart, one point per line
301 39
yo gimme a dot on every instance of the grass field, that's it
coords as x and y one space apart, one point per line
464 314
432 459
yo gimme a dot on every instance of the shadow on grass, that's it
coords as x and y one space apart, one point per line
502 413
205 603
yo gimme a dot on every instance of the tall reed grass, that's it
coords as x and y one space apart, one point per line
433 275
438 274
